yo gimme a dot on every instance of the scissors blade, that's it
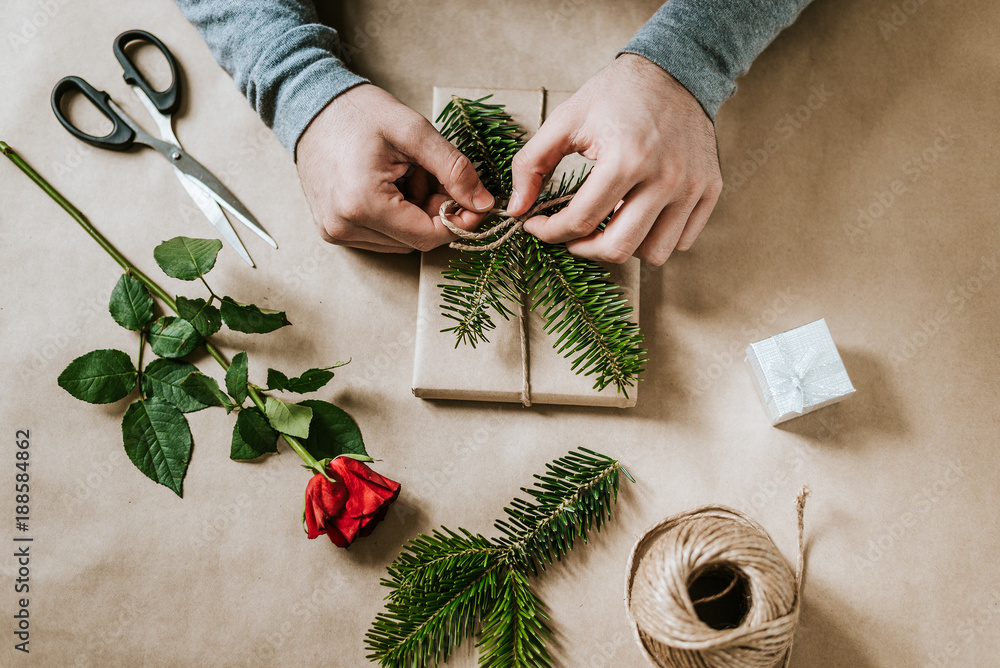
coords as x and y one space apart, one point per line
194 170
205 201
162 121
220 193
214 214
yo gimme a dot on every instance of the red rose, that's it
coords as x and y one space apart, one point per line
350 507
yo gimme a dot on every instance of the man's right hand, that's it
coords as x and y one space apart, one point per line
351 154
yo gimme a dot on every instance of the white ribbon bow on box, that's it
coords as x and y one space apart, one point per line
808 383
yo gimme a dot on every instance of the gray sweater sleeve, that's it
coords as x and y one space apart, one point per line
279 55
706 44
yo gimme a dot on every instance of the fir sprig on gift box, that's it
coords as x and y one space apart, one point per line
583 309
450 585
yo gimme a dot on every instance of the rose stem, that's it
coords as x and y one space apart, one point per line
130 268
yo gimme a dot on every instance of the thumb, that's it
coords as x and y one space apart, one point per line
536 159
453 170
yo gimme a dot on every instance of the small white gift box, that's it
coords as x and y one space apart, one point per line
798 371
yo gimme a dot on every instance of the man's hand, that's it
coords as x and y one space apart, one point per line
352 153
656 153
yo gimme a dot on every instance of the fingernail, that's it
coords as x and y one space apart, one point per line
482 200
515 201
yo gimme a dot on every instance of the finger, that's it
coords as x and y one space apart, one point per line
537 158
342 233
696 223
604 188
378 248
662 238
626 230
407 223
453 170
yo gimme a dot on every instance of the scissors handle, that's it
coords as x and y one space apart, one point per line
121 136
167 101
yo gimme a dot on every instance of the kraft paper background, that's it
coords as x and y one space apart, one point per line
878 107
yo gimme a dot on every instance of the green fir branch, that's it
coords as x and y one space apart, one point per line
586 313
421 625
485 134
479 281
431 558
569 184
446 585
573 497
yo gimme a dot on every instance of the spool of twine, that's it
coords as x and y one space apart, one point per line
708 588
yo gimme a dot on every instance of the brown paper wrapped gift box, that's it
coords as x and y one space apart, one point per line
493 371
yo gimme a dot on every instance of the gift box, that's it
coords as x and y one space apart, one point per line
798 371
495 371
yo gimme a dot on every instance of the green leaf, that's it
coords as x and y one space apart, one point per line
131 304
332 432
429 558
201 314
252 435
481 281
173 337
185 258
487 135
163 377
251 319
287 418
310 381
99 377
587 315
236 378
158 441
204 389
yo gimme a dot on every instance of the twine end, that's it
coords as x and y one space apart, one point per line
800 500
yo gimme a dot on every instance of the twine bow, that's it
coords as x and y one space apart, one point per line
508 224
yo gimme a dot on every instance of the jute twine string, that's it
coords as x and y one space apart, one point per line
673 553
508 225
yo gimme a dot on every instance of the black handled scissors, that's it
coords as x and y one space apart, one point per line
206 190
